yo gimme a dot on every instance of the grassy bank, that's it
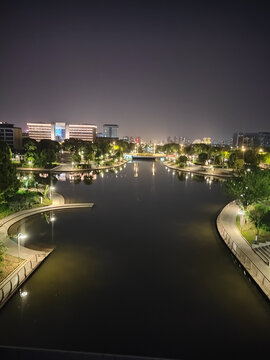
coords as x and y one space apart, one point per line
9 264
248 231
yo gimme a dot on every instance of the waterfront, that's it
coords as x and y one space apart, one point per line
142 273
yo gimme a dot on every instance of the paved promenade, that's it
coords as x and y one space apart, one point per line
67 167
255 266
201 170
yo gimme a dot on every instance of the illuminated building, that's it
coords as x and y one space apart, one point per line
60 131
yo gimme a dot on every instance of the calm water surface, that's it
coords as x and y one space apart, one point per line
144 272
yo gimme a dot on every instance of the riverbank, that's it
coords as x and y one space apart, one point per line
252 262
200 170
27 259
69 168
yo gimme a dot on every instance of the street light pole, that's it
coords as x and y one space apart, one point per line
20 237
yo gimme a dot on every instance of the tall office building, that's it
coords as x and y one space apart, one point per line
11 135
110 131
60 131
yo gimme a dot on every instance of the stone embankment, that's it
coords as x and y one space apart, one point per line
250 260
31 258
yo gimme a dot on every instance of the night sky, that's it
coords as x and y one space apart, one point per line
156 68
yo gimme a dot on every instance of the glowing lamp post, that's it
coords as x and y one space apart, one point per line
51 190
243 150
20 237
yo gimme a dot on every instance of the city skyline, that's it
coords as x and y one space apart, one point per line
156 69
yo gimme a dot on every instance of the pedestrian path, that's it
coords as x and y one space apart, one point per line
252 262
200 170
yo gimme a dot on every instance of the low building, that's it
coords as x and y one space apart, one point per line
11 135
60 131
110 131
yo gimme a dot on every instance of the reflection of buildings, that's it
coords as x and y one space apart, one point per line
11 135
60 131
251 139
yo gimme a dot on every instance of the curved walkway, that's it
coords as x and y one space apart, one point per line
69 168
31 258
7 222
199 170
254 265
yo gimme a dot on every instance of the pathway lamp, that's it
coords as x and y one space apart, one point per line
20 237
243 150
51 190
241 213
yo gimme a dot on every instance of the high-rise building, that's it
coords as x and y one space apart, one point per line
60 131
110 131
11 135
251 139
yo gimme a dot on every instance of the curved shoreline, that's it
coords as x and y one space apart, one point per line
197 172
54 170
31 258
253 264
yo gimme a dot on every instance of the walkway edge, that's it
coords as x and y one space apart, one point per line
253 264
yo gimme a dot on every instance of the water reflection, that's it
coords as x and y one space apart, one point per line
136 169
153 169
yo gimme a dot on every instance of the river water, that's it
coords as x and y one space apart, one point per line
144 272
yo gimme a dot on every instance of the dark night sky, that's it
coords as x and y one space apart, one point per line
156 68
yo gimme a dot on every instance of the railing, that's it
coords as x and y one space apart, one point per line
244 259
9 285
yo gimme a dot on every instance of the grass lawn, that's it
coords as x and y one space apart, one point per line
8 265
248 231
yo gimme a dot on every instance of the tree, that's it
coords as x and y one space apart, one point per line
46 157
76 158
182 160
256 214
239 165
31 148
249 188
251 157
202 157
9 184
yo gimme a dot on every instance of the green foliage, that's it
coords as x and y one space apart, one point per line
76 158
239 165
250 187
46 157
266 158
251 157
202 157
3 250
182 160
9 184
256 215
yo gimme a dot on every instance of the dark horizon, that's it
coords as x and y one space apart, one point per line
193 69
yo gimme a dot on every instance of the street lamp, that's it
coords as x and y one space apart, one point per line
243 149
51 189
20 237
